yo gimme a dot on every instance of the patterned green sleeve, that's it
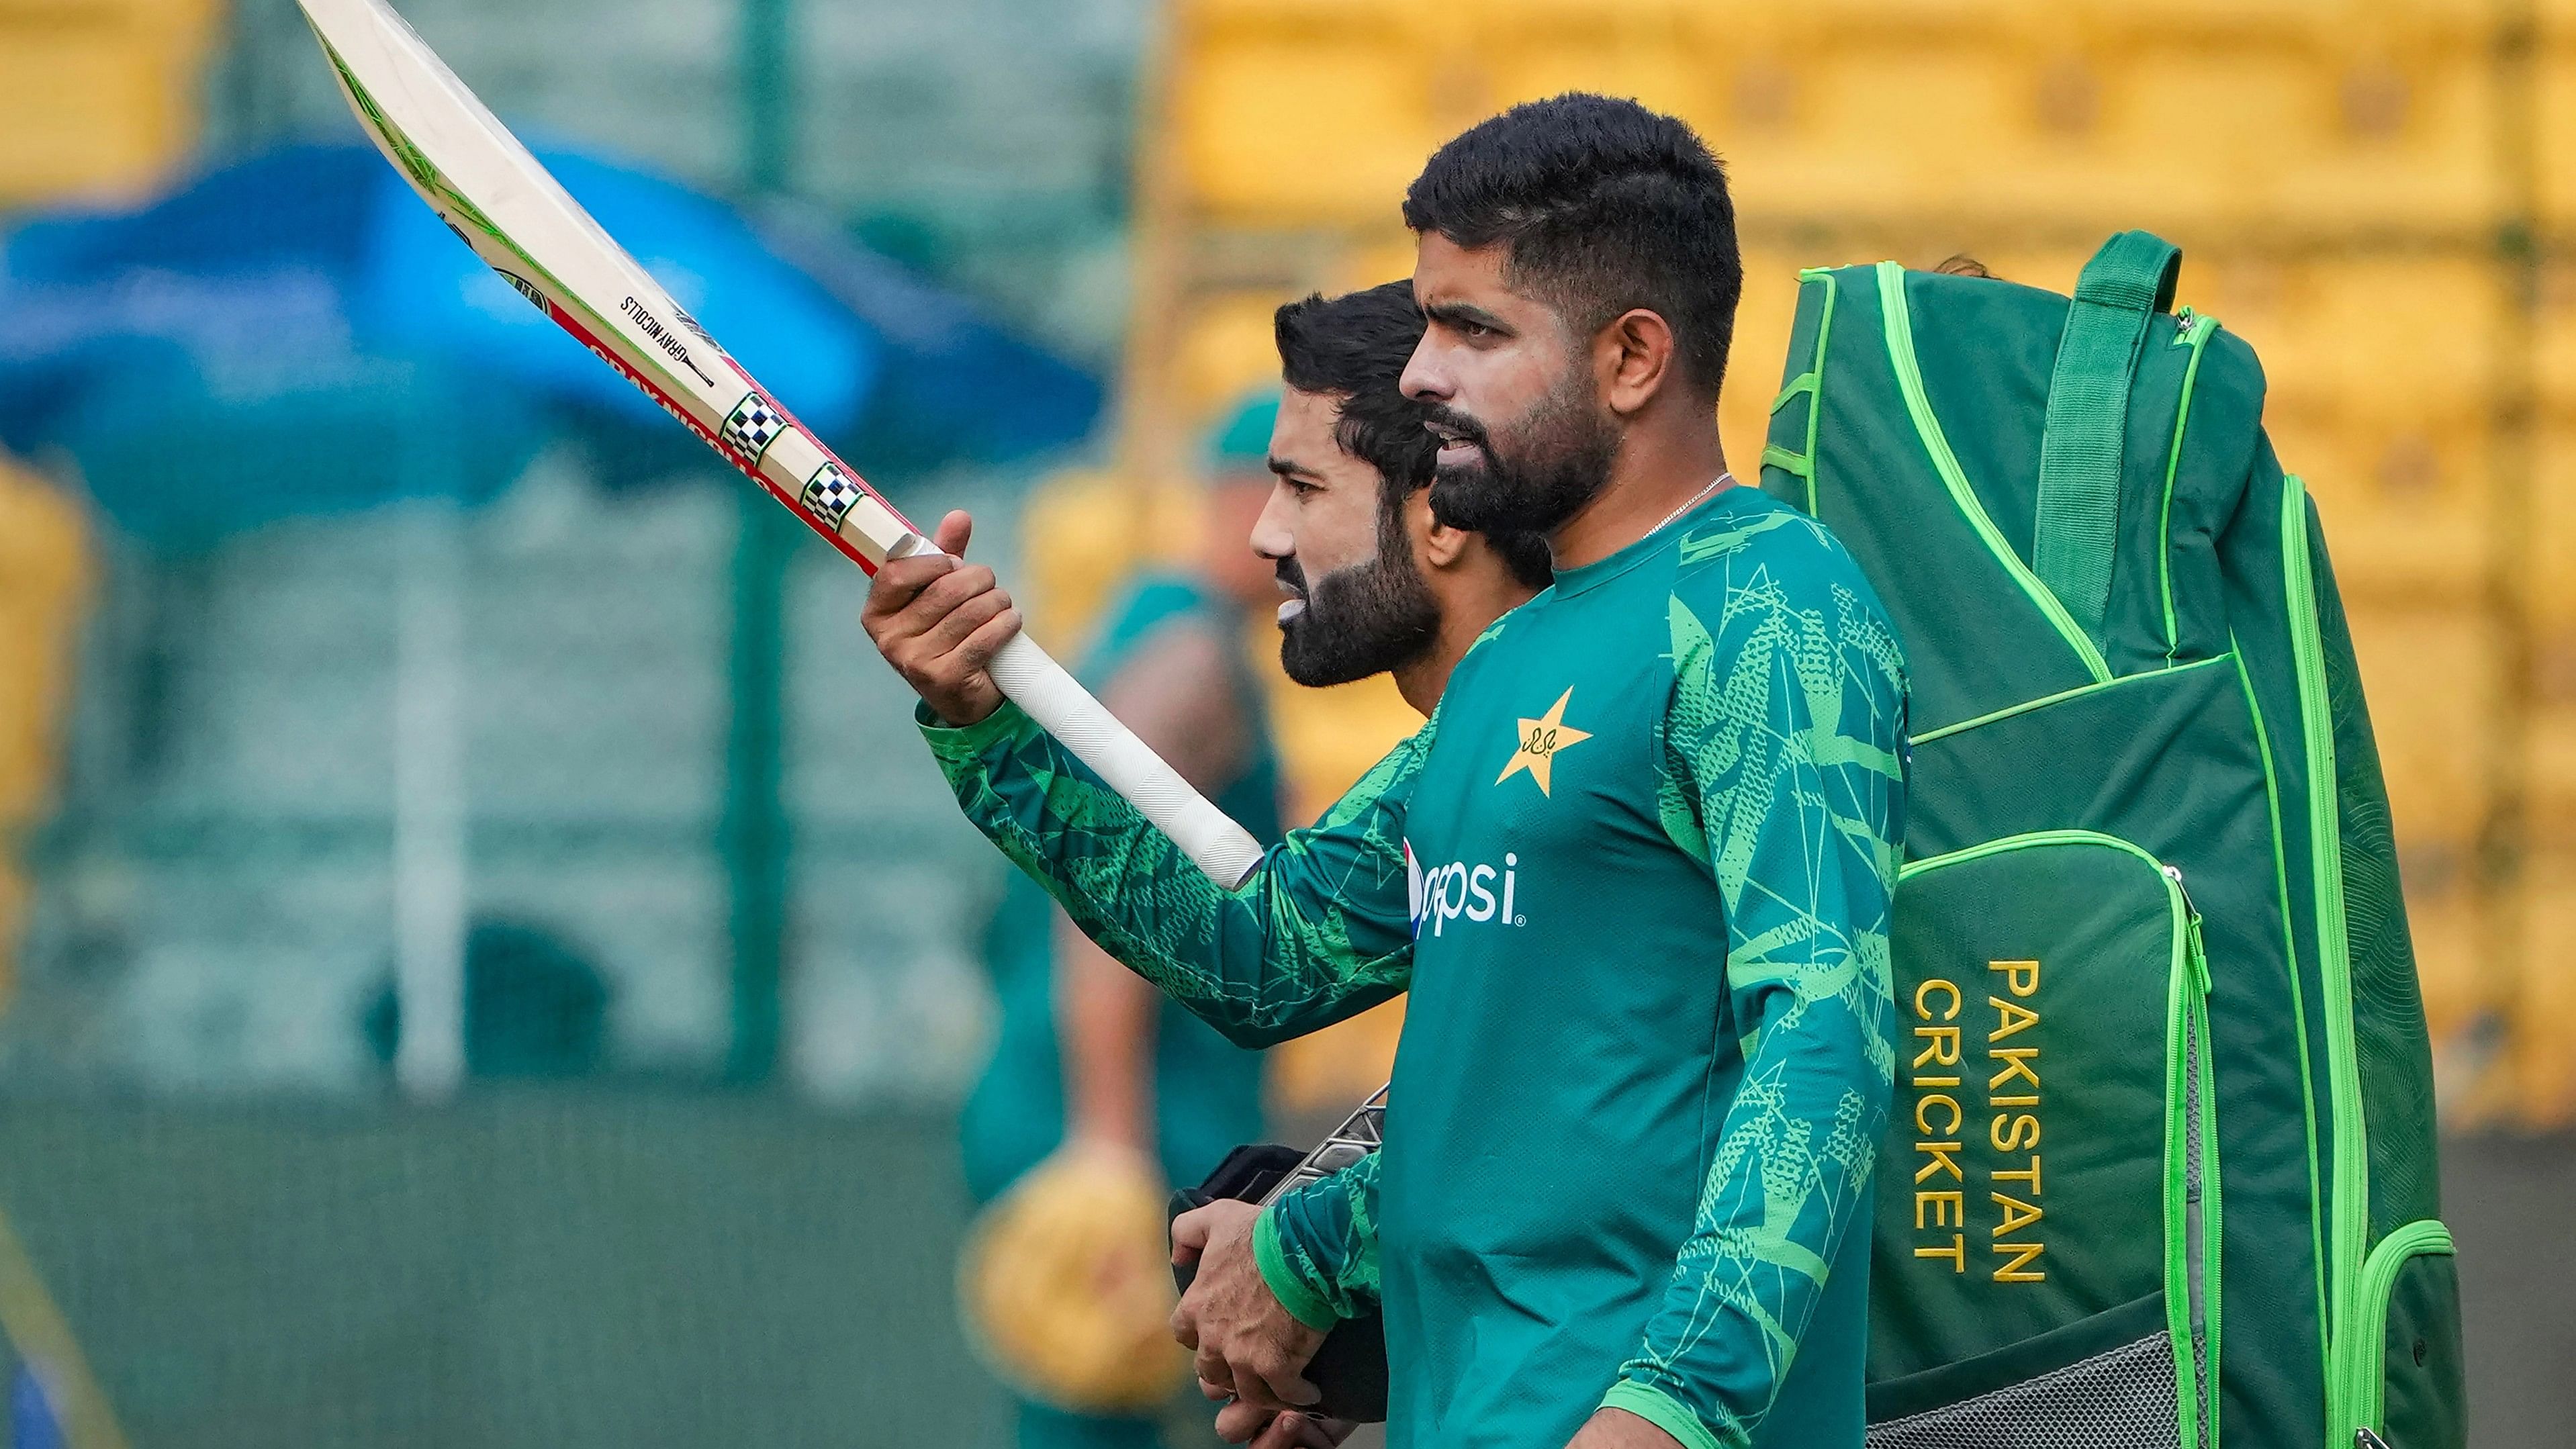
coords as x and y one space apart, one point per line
1784 773
1322 930
1317 1246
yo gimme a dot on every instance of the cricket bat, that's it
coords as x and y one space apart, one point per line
518 219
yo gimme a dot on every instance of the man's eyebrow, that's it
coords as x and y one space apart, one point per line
1291 468
1463 314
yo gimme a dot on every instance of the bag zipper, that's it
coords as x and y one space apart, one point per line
2193 331
2196 1224
2362 1384
2349 1220
1896 320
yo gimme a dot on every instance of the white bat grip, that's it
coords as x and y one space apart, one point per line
1040 686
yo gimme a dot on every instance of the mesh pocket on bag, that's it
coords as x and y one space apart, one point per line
2122 1398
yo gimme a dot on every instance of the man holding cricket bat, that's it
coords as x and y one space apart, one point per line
1343 464
1376 584
1635 872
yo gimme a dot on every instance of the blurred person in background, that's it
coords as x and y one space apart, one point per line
1101 1092
45 581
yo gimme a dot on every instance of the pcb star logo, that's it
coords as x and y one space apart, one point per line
1534 749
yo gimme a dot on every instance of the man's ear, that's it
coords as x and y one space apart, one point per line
1436 545
1633 357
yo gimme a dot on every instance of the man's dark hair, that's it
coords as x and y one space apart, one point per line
1354 348
1604 206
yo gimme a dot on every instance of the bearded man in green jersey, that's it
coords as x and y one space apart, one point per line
1636 871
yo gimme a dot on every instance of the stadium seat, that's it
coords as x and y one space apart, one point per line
97 95
2552 540
1227 348
1754 364
2432 677
2442 913
2542 1007
1286 117
1086 531
2406 508
2555 142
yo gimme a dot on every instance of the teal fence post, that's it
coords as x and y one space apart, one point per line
755 833
755 818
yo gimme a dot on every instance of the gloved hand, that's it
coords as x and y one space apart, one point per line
1067 1289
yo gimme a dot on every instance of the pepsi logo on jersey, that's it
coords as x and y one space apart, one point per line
1460 891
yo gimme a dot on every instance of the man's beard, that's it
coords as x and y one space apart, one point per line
1363 618
1557 461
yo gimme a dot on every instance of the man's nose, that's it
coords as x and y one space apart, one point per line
1425 380
1272 538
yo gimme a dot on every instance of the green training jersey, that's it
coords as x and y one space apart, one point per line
1636 874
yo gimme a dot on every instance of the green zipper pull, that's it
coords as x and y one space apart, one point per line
2191 915
2199 956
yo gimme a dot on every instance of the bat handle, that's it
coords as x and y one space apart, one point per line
1056 700
1052 697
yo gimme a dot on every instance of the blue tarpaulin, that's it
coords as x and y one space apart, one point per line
296 332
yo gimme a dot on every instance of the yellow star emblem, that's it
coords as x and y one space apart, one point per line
1535 748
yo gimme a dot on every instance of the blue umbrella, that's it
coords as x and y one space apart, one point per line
296 333
966 390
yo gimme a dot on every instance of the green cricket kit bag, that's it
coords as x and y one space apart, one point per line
2160 1169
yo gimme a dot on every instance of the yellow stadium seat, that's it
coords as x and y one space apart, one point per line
97 95
2405 508
2550 540
1754 363
2542 1008
1288 120
2402 334
2551 779
2442 915
2555 345
2555 165
1899 123
1084 532
1639 51
2432 679
1227 349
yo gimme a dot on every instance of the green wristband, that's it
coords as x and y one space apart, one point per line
1271 1257
1663 1411
964 742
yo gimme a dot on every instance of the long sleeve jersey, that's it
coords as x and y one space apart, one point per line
1636 874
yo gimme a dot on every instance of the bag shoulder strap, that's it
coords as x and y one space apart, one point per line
2129 279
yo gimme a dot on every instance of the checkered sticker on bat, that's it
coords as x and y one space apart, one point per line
752 425
829 493
523 287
